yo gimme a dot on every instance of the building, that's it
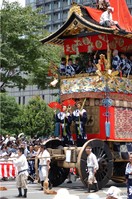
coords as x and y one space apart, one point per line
23 96
57 10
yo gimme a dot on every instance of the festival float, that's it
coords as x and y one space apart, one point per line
107 94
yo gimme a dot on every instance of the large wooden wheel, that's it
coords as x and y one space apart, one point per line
104 156
57 175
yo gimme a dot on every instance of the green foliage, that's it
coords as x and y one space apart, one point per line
37 118
21 51
8 114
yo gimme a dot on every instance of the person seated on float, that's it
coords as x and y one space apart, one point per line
125 65
76 66
116 61
69 68
95 60
106 19
62 67
90 68
130 62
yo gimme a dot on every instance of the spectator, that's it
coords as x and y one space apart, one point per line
113 193
31 163
93 196
64 194
128 174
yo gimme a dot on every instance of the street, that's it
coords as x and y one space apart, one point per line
76 188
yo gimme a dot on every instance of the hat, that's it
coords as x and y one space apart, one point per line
93 196
65 193
110 8
114 191
12 138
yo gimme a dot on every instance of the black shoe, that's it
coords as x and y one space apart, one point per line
122 31
25 193
96 188
68 182
20 193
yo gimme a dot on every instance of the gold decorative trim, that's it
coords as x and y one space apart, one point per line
76 9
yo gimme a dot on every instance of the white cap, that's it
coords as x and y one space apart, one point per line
65 193
114 191
12 139
93 196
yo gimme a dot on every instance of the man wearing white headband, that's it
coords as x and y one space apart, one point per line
107 20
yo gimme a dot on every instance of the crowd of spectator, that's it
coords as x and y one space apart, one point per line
9 146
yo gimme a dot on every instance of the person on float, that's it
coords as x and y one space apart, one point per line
128 174
70 71
44 164
80 119
22 169
116 61
76 66
106 19
92 167
64 117
125 65
62 67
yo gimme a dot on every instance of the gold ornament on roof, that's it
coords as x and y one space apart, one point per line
76 9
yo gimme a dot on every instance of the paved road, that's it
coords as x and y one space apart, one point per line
76 188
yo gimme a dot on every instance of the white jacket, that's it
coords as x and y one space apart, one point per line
92 161
21 165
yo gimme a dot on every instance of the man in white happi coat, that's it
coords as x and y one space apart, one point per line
44 164
92 167
106 19
22 169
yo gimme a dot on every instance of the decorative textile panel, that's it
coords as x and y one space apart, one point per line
123 123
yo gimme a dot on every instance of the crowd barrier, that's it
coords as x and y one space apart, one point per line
7 169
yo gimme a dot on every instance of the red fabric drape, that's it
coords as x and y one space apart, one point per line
120 14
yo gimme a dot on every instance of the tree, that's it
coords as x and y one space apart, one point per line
8 114
22 54
37 118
